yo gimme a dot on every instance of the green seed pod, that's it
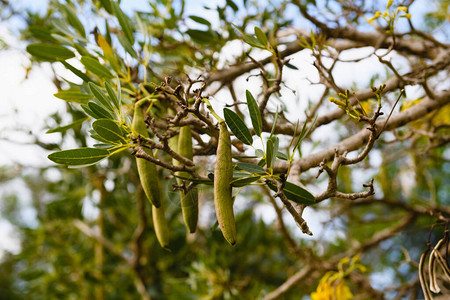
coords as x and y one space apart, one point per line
160 225
189 201
147 170
223 175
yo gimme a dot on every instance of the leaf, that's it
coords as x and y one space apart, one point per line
73 96
237 126
76 71
86 108
252 41
269 154
275 119
251 168
233 5
126 45
282 156
49 52
78 157
240 182
99 110
100 96
200 20
124 22
304 133
108 130
73 20
255 115
67 127
94 66
98 138
261 36
106 5
200 36
112 95
295 193
61 27
291 66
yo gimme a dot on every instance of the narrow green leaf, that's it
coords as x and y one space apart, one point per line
80 48
233 5
269 153
95 136
282 156
108 130
275 144
304 133
261 36
237 126
80 156
250 168
100 96
106 5
255 115
252 41
259 152
49 52
76 71
200 20
113 96
73 96
73 20
262 162
124 22
64 31
274 125
295 193
86 108
291 66
200 36
67 127
240 182
94 66
313 39
99 111
126 45
103 146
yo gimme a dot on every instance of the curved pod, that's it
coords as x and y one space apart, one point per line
223 175
189 201
147 170
160 225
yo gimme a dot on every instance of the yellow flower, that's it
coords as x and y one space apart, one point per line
375 16
331 290
389 3
337 102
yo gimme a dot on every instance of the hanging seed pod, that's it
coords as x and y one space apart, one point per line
189 201
147 170
223 175
160 225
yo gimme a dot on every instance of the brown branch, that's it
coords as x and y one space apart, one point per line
357 140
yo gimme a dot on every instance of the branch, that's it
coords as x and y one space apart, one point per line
357 140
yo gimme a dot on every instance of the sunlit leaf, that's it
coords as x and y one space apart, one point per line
255 114
294 193
237 126
49 52
80 156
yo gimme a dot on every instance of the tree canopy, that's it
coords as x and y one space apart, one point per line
248 149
